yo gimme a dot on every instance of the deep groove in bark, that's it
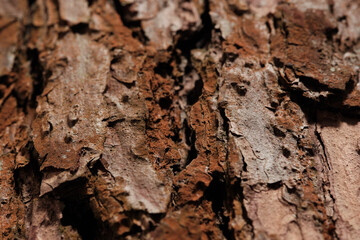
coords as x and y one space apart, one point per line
190 136
134 26
234 190
36 71
326 160
78 214
217 193
28 178
195 93
199 39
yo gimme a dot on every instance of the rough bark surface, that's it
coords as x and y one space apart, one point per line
178 119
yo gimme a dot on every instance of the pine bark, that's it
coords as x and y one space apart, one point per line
179 119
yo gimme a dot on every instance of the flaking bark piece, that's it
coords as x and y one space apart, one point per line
70 115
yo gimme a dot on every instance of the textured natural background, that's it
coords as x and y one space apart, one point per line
179 119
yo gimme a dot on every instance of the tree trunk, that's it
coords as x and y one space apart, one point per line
177 119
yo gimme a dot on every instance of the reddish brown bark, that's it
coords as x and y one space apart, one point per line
157 119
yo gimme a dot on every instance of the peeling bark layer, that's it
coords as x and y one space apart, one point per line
157 119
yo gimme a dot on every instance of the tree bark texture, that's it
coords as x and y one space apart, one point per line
179 119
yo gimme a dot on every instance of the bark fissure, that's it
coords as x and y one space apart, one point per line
323 148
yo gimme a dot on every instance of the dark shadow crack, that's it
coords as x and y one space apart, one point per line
78 214
323 148
197 39
234 189
194 95
217 194
135 26
28 178
190 138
